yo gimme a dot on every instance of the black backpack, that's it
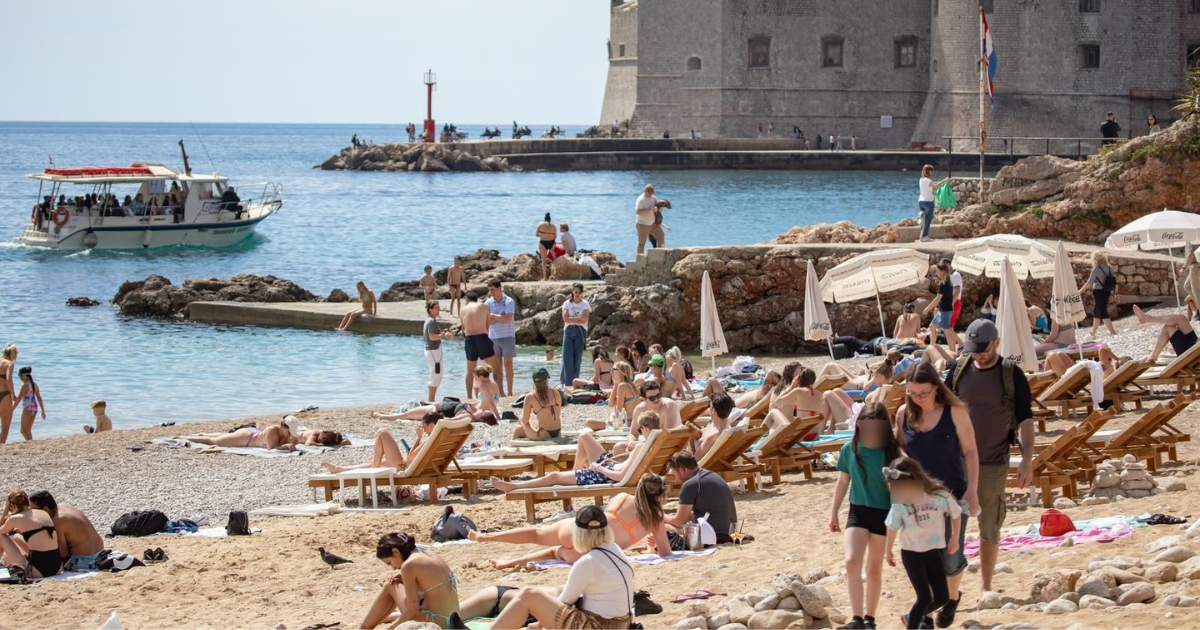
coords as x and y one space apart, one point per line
1110 279
139 523
239 524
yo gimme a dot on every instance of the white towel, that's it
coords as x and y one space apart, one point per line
1097 387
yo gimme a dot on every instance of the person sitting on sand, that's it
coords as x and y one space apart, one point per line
367 298
103 422
631 519
623 399
541 414
425 588
78 541
797 397
446 410
272 438
701 493
602 368
489 392
1176 330
908 324
593 465
602 579
387 451
28 542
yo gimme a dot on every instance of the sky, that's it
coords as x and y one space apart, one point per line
302 61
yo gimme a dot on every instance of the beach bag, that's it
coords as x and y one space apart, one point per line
138 523
841 351
238 525
1110 280
1055 523
688 370
945 197
451 526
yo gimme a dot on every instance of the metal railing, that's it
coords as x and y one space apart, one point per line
1009 145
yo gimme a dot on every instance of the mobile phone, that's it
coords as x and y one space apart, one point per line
404 445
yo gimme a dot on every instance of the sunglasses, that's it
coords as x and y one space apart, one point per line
653 397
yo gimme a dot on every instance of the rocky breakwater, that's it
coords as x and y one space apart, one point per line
417 156
157 297
1050 197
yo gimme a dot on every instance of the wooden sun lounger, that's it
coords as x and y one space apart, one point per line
1065 393
1143 439
1077 453
502 468
1119 386
728 458
828 383
758 411
652 457
692 409
1038 382
893 397
1053 467
429 465
782 450
1182 373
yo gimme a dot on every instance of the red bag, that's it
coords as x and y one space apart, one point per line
1055 523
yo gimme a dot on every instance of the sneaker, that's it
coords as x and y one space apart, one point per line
926 623
945 616
853 624
869 623
926 239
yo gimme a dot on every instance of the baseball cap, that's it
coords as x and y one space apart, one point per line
657 360
980 333
541 374
591 517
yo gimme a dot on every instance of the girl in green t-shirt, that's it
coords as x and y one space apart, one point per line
860 467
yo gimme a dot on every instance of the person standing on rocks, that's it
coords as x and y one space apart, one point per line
547 235
474 318
502 330
456 277
434 335
575 313
926 200
644 210
1109 129
1000 405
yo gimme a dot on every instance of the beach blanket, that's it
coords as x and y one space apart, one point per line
1097 530
8 579
207 532
646 559
310 510
183 442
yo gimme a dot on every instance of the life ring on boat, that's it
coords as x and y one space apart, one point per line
60 217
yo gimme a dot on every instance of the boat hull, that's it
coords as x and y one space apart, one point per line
145 236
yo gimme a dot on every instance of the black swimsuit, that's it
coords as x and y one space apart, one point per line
48 563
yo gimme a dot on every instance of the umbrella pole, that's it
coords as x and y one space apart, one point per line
879 304
829 340
1175 280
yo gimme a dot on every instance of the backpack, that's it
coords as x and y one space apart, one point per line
1055 523
688 370
1007 379
1110 280
451 526
138 523
239 524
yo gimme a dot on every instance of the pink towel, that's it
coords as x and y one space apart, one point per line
1093 535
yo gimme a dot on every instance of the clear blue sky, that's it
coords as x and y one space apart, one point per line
351 61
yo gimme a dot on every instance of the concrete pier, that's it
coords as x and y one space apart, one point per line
393 318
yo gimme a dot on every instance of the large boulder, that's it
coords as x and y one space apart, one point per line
467 163
157 297
429 164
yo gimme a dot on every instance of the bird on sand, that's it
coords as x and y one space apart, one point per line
331 559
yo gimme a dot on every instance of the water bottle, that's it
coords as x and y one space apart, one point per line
966 509
624 419
488 444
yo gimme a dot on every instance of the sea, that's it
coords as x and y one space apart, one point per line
335 228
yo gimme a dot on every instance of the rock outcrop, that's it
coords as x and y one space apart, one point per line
486 265
1051 197
82 302
157 297
416 156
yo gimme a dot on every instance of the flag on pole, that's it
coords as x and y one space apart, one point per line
989 53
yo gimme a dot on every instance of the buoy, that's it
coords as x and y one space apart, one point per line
90 239
146 239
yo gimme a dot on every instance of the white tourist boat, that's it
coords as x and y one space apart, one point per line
83 208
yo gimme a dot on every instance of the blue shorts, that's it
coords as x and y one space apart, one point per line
955 563
589 477
81 564
942 319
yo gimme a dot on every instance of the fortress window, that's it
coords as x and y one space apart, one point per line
935 7
1089 6
1091 55
1193 6
906 52
621 50
1193 54
831 51
760 52
694 63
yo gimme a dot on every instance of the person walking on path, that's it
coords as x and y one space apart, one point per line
644 209
1000 406
547 236
926 200
503 332
936 430
1102 282
474 318
956 281
575 313
434 335
1109 129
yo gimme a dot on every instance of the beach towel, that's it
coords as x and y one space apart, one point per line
5 578
183 442
208 532
647 559
1098 530
1097 385
310 510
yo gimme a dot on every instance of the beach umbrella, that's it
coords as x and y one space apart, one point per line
982 256
1012 320
816 318
712 337
873 273
1066 305
1167 229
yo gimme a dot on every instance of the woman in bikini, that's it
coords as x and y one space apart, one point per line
1060 338
602 368
387 451
274 437
425 588
593 464
624 397
31 402
541 415
489 392
798 399
456 277
446 410
631 518
28 544
909 324
367 298
8 399
547 234
321 438
675 380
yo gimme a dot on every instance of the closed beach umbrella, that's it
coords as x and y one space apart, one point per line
1066 305
1012 320
816 318
712 337
1161 230
873 273
982 256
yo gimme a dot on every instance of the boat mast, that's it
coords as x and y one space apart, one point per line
187 168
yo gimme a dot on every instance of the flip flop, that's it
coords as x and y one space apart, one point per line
700 594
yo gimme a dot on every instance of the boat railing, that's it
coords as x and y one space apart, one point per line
270 194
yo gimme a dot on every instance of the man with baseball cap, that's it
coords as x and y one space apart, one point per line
1000 404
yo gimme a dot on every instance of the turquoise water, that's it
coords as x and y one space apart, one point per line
334 229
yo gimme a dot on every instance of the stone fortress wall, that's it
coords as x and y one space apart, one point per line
700 64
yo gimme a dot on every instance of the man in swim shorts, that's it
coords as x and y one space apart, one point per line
474 319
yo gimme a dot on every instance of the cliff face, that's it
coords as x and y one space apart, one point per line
1049 197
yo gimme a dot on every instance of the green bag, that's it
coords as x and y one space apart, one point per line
945 197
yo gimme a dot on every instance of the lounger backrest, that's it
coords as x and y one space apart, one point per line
1124 375
1075 379
1168 411
893 398
730 446
828 382
1088 427
437 452
1057 449
693 409
1135 431
1188 362
759 409
781 442
637 465
673 441
1039 381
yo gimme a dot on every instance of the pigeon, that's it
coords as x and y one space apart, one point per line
331 559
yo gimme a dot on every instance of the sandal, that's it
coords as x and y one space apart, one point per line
700 594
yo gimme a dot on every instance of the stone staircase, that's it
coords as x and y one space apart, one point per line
652 267
911 233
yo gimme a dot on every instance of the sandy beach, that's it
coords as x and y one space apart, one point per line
276 576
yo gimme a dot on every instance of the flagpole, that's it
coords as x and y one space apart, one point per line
983 70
